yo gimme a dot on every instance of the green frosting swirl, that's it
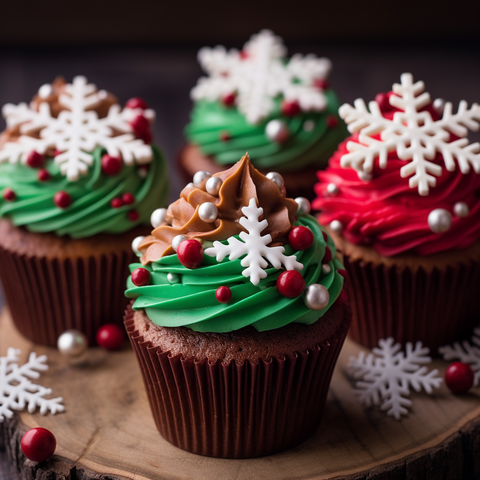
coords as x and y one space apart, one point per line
192 303
90 212
311 141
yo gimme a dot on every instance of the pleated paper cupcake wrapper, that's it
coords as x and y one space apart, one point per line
48 296
236 411
435 307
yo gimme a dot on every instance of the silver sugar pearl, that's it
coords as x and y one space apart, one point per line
177 241
200 179
277 179
45 91
460 209
316 297
332 189
364 176
173 278
308 125
213 185
439 220
439 105
336 226
208 212
326 269
72 343
158 216
135 243
277 131
303 206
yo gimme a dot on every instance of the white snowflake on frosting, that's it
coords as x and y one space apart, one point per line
254 246
18 392
260 74
466 353
413 134
387 373
76 132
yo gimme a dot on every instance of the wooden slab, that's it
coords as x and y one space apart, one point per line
107 431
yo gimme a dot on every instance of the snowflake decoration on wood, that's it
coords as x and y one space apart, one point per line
259 74
76 132
413 134
466 353
18 392
387 373
254 246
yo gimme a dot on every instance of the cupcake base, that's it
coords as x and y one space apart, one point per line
238 408
297 183
411 298
53 284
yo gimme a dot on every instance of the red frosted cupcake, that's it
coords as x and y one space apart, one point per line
237 339
401 199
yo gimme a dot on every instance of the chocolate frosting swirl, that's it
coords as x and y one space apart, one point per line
241 183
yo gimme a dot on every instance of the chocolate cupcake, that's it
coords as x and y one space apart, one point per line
281 110
237 339
79 180
401 199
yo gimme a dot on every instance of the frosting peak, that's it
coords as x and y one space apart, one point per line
240 184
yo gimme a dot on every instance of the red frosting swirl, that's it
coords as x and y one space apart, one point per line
388 215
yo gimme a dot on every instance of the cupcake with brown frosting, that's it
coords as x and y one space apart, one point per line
238 295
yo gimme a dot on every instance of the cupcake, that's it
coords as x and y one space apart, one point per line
236 323
78 182
281 110
401 199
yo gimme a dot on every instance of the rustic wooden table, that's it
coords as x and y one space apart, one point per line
163 77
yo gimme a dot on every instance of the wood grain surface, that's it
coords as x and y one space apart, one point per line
107 431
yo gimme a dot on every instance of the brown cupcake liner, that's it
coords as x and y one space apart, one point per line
48 296
435 307
236 411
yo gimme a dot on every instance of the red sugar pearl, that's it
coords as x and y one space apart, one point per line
110 337
137 102
332 121
9 195
35 160
141 128
38 444
290 284
342 272
328 255
321 83
300 238
459 377
133 215
128 198
190 253
225 136
290 109
325 236
43 175
116 203
229 99
62 199
111 165
223 294
342 298
140 277
383 101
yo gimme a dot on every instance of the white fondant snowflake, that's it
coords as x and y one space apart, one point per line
76 131
387 373
259 74
18 392
413 134
254 246
466 353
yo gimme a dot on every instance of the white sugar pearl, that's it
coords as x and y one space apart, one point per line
200 179
213 185
72 343
158 216
177 241
460 209
135 243
332 189
277 131
303 205
173 278
336 226
439 220
277 179
208 212
45 91
364 176
316 297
